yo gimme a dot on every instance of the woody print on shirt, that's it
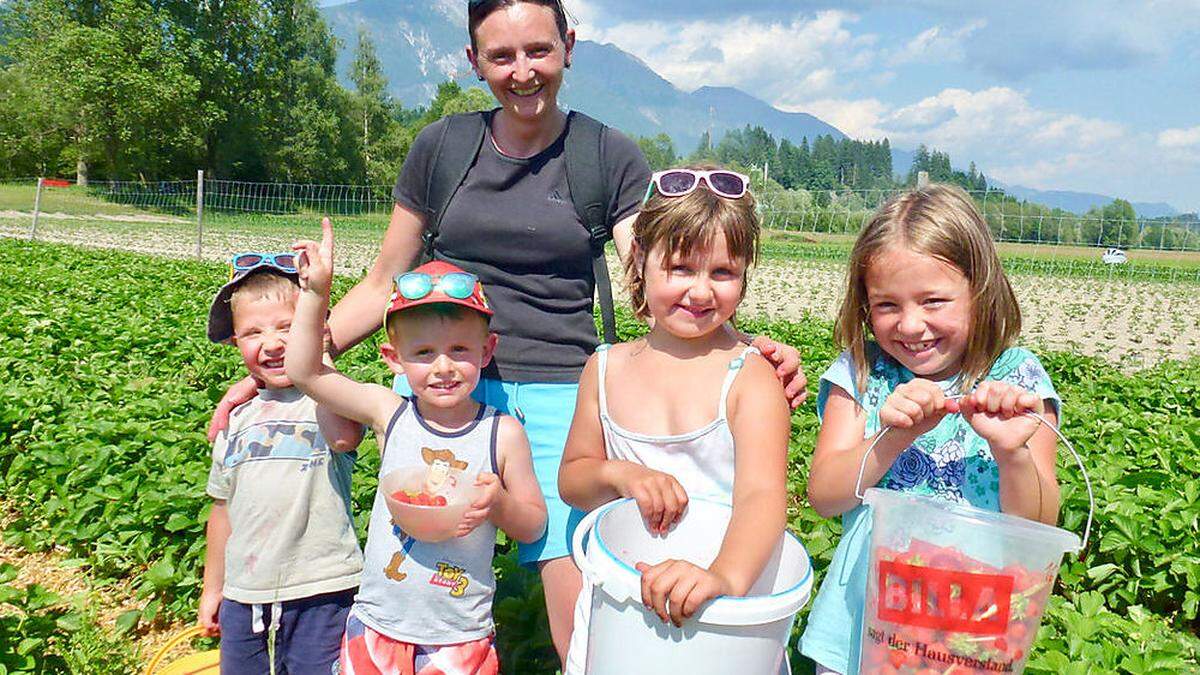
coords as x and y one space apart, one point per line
441 474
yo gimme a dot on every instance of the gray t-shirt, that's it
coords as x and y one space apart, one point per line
513 224
430 593
291 534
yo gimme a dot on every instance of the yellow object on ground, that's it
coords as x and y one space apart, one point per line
202 663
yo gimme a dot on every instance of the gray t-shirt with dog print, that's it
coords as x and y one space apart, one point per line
430 593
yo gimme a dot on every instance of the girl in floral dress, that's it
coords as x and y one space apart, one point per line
928 325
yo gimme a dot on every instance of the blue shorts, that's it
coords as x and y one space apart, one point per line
546 410
308 635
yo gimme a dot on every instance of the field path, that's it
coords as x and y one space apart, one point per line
49 570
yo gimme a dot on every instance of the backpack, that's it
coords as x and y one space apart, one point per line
455 153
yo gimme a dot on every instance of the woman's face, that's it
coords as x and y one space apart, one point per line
521 55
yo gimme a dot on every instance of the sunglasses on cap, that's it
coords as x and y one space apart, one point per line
417 285
679 182
241 263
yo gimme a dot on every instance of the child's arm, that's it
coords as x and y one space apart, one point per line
1023 448
513 500
214 568
912 409
587 478
760 419
341 434
365 403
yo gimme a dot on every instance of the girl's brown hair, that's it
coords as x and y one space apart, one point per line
939 221
479 10
684 224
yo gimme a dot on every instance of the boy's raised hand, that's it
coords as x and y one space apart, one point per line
481 508
996 411
315 262
915 407
675 589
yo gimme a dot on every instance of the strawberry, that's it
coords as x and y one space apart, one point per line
897 658
439 501
1000 644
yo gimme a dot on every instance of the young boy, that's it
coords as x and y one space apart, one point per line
283 559
424 607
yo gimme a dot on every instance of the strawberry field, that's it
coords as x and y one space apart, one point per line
109 382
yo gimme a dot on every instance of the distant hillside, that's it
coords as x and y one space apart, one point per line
1081 202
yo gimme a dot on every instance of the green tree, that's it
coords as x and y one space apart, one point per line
659 151
109 76
383 142
308 131
1114 224
704 151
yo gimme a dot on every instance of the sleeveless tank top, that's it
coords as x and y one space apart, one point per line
701 460
425 593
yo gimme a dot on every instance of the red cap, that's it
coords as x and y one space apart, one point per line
437 269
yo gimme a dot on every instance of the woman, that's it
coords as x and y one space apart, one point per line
512 223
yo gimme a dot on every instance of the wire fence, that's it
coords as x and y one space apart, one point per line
209 217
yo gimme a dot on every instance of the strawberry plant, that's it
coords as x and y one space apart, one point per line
109 383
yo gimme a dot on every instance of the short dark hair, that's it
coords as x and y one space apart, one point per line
478 10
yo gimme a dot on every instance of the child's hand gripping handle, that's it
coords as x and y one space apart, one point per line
1087 530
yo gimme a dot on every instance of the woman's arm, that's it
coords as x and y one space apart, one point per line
360 312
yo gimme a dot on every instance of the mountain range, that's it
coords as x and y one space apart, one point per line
1081 202
421 44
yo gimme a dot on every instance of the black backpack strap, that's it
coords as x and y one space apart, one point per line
584 153
455 153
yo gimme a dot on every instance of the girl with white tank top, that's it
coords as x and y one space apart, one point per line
687 411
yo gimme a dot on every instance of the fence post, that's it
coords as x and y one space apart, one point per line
37 207
922 179
199 211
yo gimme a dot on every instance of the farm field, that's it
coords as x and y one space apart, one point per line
1134 315
109 383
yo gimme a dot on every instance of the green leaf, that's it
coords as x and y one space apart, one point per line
127 621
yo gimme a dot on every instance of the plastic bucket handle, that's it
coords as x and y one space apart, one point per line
578 554
186 634
1087 530
723 611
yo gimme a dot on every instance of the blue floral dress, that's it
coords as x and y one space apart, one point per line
950 462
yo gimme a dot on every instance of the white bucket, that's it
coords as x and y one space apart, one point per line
727 635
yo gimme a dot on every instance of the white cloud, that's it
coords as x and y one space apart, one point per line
856 118
776 60
937 44
1179 138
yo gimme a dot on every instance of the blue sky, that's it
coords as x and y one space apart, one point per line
1094 96
1070 95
